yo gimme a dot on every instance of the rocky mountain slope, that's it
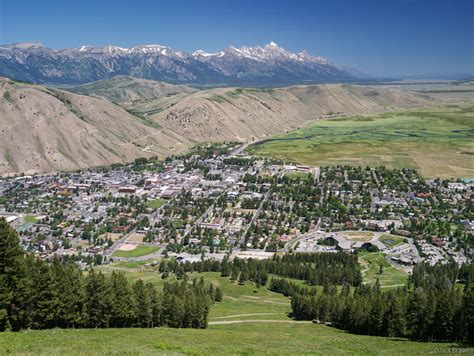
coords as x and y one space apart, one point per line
267 65
46 130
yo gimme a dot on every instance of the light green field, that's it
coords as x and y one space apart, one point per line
391 240
130 264
140 250
156 203
358 235
390 277
247 321
436 142
30 219
248 338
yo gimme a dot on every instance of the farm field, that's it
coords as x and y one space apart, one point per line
140 250
249 320
437 142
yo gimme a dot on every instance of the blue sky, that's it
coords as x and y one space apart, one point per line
379 37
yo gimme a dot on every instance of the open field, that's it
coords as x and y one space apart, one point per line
358 235
245 338
248 320
138 251
156 203
391 240
111 235
129 264
436 142
30 219
390 277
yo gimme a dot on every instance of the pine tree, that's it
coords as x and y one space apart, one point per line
468 313
219 295
13 280
45 301
243 276
98 300
122 303
155 305
143 306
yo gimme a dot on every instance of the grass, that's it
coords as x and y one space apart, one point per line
267 328
30 219
156 203
390 277
391 240
436 142
358 235
130 264
250 338
140 250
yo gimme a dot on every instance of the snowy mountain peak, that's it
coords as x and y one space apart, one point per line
267 65
272 44
24 45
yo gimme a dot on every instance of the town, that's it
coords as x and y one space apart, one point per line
219 201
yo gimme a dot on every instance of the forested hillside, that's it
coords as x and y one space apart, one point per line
35 294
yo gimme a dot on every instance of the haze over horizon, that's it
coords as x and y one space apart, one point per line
380 38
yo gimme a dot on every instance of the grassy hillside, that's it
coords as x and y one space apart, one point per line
437 142
248 320
124 89
246 338
47 130
230 114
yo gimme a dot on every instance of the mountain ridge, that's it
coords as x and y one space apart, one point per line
248 65
49 129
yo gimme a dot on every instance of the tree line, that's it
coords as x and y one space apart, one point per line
437 309
314 268
40 295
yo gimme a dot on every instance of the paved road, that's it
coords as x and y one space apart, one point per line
255 216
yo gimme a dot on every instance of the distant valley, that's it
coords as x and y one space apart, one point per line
47 129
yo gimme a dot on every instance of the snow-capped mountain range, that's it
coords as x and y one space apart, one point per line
267 65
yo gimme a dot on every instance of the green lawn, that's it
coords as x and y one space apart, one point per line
130 264
391 240
390 277
436 142
30 219
156 203
140 250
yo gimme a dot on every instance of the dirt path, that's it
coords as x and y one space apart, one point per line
240 315
258 321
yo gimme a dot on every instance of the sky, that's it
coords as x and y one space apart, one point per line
379 37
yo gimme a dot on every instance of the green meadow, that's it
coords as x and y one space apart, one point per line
390 276
156 203
437 142
140 250
249 320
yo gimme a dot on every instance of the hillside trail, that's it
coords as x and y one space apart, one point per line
258 321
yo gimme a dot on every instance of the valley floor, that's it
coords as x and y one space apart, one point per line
437 142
